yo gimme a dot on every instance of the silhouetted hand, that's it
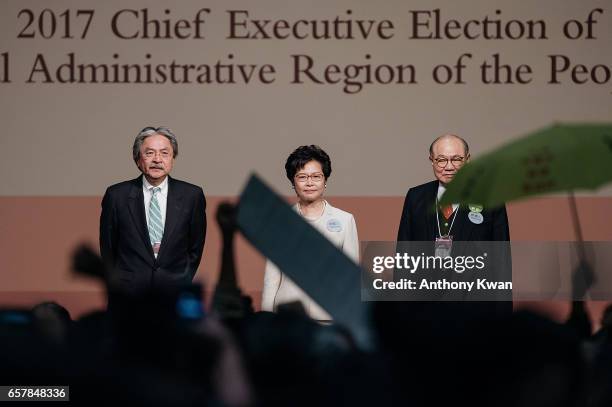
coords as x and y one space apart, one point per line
87 262
226 217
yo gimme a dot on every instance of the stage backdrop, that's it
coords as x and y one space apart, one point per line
244 83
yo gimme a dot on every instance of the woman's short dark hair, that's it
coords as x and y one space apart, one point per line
304 154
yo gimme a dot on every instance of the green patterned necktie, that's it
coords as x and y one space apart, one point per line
156 226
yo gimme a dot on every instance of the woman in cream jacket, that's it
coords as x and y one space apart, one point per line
308 169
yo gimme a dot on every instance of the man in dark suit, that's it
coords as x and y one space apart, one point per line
152 228
423 220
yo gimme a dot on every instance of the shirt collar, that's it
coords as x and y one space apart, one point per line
148 187
441 190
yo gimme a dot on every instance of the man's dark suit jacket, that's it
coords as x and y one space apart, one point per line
419 224
418 221
124 236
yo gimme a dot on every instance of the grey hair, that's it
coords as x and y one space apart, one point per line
151 131
466 148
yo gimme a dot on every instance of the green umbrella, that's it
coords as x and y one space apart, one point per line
558 158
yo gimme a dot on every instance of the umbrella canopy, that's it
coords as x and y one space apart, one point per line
558 158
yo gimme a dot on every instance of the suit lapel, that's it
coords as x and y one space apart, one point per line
174 206
329 212
431 211
137 211
462 228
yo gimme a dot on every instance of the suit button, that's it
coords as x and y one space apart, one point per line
155 268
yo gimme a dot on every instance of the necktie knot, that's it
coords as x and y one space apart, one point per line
155 190
447 211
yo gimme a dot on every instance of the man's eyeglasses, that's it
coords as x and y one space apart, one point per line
303 178
163 154
456 161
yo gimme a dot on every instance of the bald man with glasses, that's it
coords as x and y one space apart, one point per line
421 222
425 220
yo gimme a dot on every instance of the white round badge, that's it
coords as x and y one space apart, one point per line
334 225
475 217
